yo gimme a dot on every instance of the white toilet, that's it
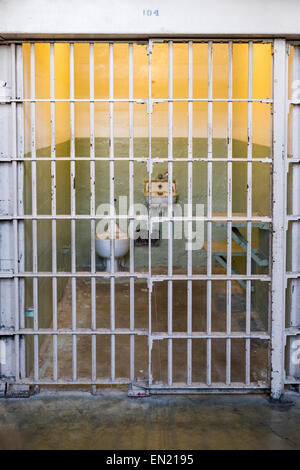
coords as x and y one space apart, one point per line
121 243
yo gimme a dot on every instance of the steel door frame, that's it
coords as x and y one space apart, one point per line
12 224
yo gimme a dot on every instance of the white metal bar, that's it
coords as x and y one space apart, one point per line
249 209
139 275
142 101
229 213
271 106
34 211
294 368
170 210
20 197
169 219
131 203
73 212
53 207
156 40
155 160
235 219
279 211
190 211
159 335
201 388
149 51
92 210
112 205
15 207
177 387
45 382
209 208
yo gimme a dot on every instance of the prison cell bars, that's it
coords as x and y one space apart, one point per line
111 217
292 277
53 208
34 212
279 211
131 203
209 211
20 192
112 211
249 210
138 100
15 207
73 213
190 211
229 214
144 275
170 211
92 210
217 218
294 220
271 204
144 160
149 221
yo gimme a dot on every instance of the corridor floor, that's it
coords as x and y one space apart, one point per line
258 348
111 420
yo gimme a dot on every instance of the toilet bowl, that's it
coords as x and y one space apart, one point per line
121 244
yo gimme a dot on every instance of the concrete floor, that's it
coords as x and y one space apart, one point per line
113 421
259 348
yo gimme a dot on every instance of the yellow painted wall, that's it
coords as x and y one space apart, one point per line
261 89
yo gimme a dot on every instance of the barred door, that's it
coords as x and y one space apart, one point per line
177 149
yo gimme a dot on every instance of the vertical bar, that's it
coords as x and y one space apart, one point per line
209 207
150 105
229 215
170 213
53 207
272 107
92 210
131 203
249 209
271 202
6 227
34 211
279 221
295 283
190 211
15 208
112 211
73 213
20 196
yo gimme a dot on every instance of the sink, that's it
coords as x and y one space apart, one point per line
159 192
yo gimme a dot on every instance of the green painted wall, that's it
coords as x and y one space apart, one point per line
260 200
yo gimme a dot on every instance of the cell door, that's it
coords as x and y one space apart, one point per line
147 229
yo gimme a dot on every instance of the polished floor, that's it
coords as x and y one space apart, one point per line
258 351
113 421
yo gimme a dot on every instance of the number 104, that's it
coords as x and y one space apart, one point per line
150 12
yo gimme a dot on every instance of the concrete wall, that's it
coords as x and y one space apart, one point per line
261 89
98 18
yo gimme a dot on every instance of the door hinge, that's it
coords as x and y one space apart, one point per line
149 106
137 391
150 47
12 390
